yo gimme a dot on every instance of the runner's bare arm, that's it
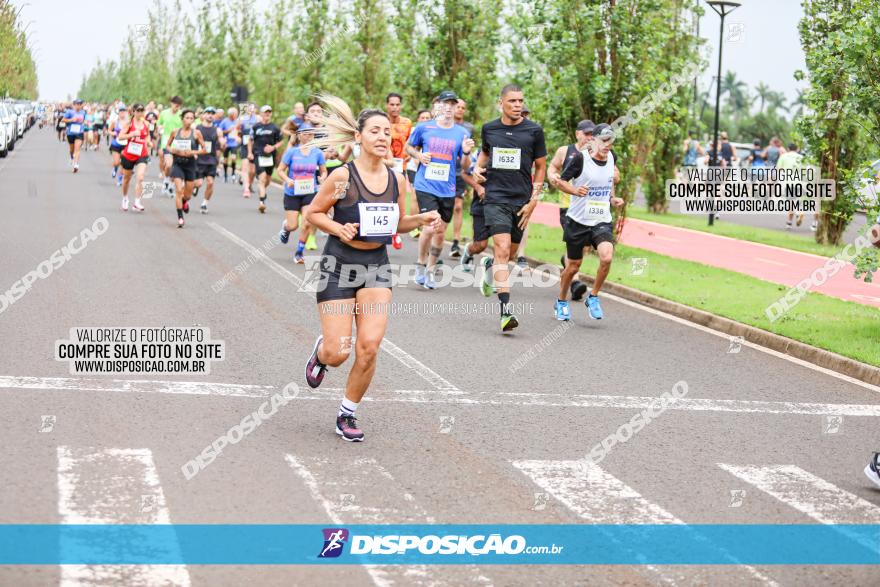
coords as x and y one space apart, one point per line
480 167
328 193
538 178
555 168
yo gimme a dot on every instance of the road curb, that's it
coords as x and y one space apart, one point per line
753 334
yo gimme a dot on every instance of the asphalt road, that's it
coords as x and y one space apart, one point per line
454 433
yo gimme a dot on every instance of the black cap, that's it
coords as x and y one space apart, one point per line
603 131
447 95
77 101
525 109
586 126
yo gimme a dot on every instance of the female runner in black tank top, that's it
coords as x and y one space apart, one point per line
366 197
185 143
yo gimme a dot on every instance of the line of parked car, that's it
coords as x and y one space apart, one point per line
16 117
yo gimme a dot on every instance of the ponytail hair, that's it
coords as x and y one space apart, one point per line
340 124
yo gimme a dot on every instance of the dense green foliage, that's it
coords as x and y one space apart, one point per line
841 119
574 58
18 73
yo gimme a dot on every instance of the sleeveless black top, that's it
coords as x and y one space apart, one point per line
346 210
193 145
209 135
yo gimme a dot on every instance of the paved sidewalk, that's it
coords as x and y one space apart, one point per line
762 261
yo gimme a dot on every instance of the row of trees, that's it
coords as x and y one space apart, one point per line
840 123
359 50
575 59
18 72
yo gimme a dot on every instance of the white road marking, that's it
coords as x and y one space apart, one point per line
345 501
113 486
137 386
752 345
823 501
594 494
456 396
601 498
392 349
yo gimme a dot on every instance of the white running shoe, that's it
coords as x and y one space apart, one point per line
137 205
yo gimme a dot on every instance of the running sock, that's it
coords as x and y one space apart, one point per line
225 171
195 191
300 246
347 407
504 298
233 168
180 212
455 242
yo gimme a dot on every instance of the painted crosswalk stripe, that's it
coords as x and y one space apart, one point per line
340 485
593 494
811 495
601 498
113 486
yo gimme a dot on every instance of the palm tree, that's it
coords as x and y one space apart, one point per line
737 92
776 101
799 102
763 92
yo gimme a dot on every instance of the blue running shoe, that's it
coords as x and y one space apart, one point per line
595 308
421 273
563 312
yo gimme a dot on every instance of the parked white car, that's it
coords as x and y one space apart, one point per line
4 147
22 119
8 120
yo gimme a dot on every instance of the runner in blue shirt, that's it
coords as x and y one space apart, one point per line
75 118
229 127
441 146
303 168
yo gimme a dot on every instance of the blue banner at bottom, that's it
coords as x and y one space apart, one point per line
440 544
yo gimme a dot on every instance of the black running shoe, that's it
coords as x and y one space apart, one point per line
346 427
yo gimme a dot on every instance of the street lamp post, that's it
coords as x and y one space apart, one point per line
722 8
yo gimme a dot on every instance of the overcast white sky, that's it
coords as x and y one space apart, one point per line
768 48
